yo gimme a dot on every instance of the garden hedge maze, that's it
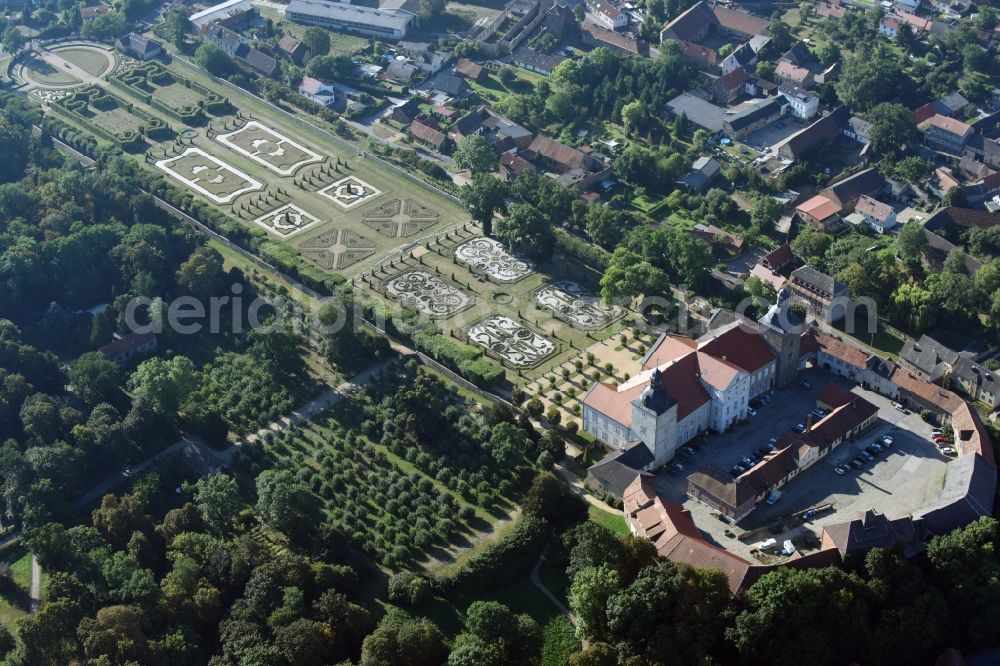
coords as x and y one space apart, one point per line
177 97
112 118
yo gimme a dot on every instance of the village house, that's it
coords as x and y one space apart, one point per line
292 48
129 346
787 73
317 91
803 104
88 14
471 71
702 173
607 14
536 61
695 23
879 216
846 192
945 133
825 297
426 132
820 213
728 87
747 118
138 46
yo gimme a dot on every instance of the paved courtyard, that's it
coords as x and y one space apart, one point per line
900 481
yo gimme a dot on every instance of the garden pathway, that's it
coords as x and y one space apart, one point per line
36 584
537 582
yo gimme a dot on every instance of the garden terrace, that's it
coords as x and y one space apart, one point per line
580 321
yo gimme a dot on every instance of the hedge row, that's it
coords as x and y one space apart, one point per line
465 359
503 561
581 250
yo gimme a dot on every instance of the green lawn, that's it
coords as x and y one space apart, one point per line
14 599
613 521
884 341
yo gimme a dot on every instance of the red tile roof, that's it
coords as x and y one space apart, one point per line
943 399
778 258
699 53
971 434
818 208
745 349
950 125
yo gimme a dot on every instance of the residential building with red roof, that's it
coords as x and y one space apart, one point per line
129 346
945 133
819 212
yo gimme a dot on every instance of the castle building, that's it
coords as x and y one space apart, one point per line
686 387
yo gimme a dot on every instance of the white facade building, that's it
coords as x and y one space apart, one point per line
687 387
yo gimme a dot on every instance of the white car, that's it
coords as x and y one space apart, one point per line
751 411
948 451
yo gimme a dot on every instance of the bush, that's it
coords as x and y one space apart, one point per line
408 589
534 408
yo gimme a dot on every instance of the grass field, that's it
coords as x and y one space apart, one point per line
45 73
613 521
117 121
14 600
93 62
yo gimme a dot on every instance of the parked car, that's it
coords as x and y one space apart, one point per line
735 471
877 447
748 462
949 451
936 432
676 467
799 428
840 469
872 451
774 496
857 463
805 385
887 440
772 441
741 468
939 440
762 452
867 456
751 411
768 447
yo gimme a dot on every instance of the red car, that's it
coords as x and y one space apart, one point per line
939 440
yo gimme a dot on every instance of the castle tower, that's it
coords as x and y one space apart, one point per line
654 419
782 329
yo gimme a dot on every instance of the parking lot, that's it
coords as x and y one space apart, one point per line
900 480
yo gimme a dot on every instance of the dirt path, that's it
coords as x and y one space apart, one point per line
537 582
36 584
